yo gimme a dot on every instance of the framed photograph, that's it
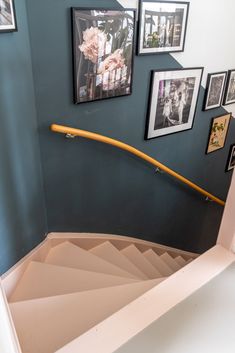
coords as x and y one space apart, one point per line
173 100
7 16
214 90
231 159
229 96
218 132
162 26
103 51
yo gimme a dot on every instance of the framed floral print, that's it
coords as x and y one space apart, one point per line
231 159
218 132
103 50
229 96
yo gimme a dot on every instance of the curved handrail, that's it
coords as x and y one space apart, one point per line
92 136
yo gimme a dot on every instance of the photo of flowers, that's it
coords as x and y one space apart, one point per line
231 159
229 97
7 16
218 132
103 50
173 101
162 26
214 90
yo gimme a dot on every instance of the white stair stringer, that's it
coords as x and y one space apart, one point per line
70 255
158 262
45 280
116 330
138 259
47 324
108 252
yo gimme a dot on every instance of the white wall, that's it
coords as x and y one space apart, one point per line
210 37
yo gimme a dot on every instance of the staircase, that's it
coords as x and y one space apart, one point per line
79 282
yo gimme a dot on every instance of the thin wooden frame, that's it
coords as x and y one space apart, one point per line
229 96
231 159
169 7
218 133
7 15
158 123
111 86
214 90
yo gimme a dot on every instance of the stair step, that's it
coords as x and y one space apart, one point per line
45 325
138 259
170 262
70 255
158 263
110 253
180 261
45 280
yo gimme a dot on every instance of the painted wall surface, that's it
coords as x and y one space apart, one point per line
93 187
22 209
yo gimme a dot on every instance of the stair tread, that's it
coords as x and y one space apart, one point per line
110 253
70 255
158 262
170 262
138 259
47 324
181 261
45 280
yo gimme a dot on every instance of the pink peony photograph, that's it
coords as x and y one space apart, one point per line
103 49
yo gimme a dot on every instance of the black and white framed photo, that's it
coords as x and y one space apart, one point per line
173 101
162 26
7 16
103 51
214 90
231 159
229 96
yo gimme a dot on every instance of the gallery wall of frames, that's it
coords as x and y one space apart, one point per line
107 69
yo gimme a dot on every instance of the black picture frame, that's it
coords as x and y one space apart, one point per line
214 93
173 41
231 159
173 100
218 132
7 16
229 95
93 78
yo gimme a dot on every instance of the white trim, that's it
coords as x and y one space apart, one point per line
115 331
8 339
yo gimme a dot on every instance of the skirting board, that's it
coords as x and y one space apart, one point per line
115 331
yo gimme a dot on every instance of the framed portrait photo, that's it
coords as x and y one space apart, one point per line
7 16
214 90
229 96
218 132
172 101
103 51
162 26
231 159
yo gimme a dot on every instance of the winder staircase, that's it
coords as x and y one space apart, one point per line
78 283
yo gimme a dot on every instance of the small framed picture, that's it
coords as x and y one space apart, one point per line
162 26
229 96
103 51
214 90
218 132
7 16
172 101
231 159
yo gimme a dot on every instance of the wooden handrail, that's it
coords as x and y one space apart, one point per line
92 136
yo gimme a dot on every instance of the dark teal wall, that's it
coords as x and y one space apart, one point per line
22 210
93 187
